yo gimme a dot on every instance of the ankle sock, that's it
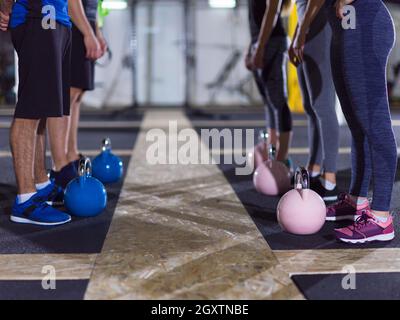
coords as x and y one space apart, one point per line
315 174
327 184
358 201
380 218
40 186
21 198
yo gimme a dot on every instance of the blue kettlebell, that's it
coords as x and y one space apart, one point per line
107 167
85 196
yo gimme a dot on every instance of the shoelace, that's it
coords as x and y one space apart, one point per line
362 220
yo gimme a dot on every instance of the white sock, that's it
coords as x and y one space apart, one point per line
315 174
379 218
21 198
327 184
359 201
40 186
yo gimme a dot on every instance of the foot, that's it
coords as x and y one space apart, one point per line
64 176
326 195
53 195
367 228
38 212
345 209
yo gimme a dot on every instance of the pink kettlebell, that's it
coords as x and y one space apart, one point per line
259 153
272 177
301 211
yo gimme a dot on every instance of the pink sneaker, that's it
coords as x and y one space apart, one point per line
345 209
366 229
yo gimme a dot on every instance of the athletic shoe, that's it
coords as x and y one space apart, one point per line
38 212
77 162
326 195
53 195
64 176
345 209
367 228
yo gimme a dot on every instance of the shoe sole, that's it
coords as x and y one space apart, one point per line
27 221
328 199
55 204
349 217
381 237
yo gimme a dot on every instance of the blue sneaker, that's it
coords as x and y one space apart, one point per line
36 211
53 195
65 175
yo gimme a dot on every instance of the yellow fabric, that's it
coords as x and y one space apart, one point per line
294 94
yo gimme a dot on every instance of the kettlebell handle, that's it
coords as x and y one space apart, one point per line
85 167
302 178
271 152
106 144
264 136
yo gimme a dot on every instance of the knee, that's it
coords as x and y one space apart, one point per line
76 95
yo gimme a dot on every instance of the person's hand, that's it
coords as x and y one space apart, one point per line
339 5
4 21
292 56
103 43
298 47
257 57
93 48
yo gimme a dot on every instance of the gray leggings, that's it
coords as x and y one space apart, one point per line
318 92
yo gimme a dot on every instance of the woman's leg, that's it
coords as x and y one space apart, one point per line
365 76
314 140
318 77
361 55
274 79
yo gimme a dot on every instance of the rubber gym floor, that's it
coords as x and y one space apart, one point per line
186 231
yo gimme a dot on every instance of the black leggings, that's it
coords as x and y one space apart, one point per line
271 82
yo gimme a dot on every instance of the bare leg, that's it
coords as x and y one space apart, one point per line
284 143
72 143
40 172
57 129
22 142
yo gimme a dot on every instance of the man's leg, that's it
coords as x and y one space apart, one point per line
57 128
40 171
22 142
72 143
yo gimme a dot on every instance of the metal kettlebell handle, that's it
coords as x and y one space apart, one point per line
271 152
263 135
85 167
106 144
302 178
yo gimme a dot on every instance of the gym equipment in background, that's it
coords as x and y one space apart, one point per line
85 196
272 177
107 167
301 211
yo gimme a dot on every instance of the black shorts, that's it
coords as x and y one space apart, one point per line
82 69
44 57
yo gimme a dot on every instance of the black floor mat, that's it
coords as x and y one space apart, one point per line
79 236
262 208
33 290
367 286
